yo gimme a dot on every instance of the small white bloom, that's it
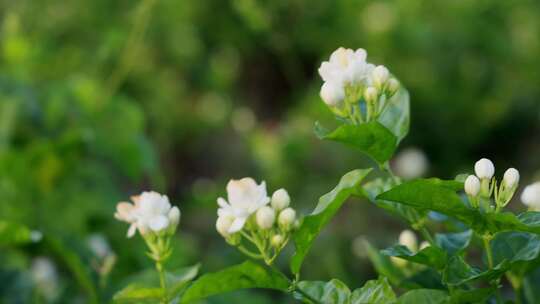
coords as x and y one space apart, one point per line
265 217
245 197
148 213
280 199
223 224
380 76
287 218
371 94
393 86
407 238
174 216
531 196
45 276
411 163
332 93
277 240
511 177
472 185
484 168
99 245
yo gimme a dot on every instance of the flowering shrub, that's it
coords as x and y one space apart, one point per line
372 108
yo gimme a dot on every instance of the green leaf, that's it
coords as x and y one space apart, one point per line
246 275
333 292
458 272
396 116
327 207
178 280
424 296
371 138
382 264
137 293
431 256
14 234
377 186
477 295
441 196
374 291
515 247
454 243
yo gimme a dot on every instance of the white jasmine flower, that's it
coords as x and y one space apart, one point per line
332 93
346 66
393 86
150 212
380 76
511 177
287 218
531 196
245 197
280 199
371 94
484 169
277 240
265 217
223 224
99 245
411 163
472 185
407 238
45 276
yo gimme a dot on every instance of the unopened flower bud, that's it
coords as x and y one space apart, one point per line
265 217
223 224
174 217
287 218
472 185
531 196
424 244
484 169
332 93
380 76
408 239
280 199
277 240
511 178
393 86
371 94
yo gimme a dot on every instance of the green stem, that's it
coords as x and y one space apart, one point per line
489 255
162 280
425 233
249 253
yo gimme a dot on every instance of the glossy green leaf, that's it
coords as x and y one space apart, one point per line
371 138
377 186
327 207
454 243
136 293
246 275
441 196
515 247
458 272
178 280
424 296
382 264
14 234
431 256
374 291
333 292
396 117
477 295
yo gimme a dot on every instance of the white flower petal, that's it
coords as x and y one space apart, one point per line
237 224
158 223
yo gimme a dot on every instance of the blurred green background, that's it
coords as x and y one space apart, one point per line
102 99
